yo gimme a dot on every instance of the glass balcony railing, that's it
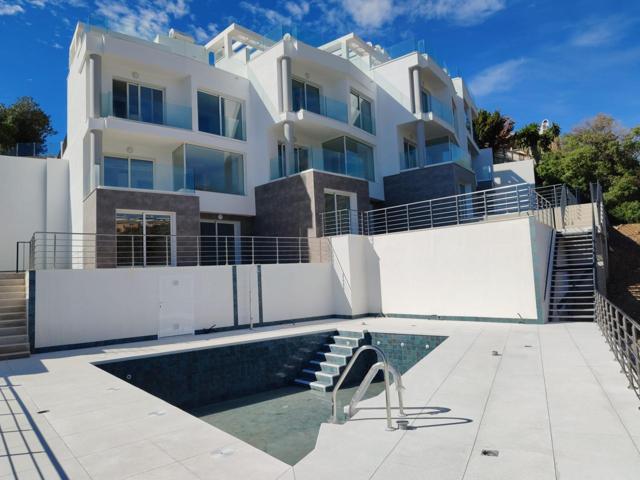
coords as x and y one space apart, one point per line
433 105
405 47
325 106
31 149
172 115
447 152
350 163
155 177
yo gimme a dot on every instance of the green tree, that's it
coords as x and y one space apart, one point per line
493 130
24 122
599 150
529 138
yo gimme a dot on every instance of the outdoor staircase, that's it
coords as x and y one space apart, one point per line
14 341
323 371
572 282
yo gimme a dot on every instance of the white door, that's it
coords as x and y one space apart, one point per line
176 315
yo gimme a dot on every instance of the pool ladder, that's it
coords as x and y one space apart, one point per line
381 364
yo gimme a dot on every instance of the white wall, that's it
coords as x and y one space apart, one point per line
34 196
79 306
512 173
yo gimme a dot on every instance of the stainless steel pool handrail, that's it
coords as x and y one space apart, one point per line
366 383
334 395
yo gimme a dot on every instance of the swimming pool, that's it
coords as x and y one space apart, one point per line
248 390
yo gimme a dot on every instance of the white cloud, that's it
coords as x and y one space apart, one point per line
497 78
203 35
272 16
371 13
297 10
598 32
143 18
462 12
10 8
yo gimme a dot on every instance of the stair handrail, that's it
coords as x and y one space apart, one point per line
334 395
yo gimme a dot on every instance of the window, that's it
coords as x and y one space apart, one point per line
425 99
127 173
305 96
349 157
144 239
209 170
301 160
220 116
361 112
410 156
138 102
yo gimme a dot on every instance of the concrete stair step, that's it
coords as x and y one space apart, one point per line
11 282
14 348
11 276
12 295
12 302
15 330
340 349
350 334
13 316
13 340
347 341
327 367
12 288
14 309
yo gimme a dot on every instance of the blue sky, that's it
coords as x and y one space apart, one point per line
565 60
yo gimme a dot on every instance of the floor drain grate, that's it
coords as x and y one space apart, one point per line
490 453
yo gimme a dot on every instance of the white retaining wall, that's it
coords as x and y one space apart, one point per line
33 197
485 271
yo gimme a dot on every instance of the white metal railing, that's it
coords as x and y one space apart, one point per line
57 250
475 207
558 194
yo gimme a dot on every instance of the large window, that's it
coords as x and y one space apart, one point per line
127 173
301 160
305 96
209 170
220 116
410 155
349 157
361 112
138 102
143 239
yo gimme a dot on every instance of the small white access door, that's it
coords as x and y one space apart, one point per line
176 315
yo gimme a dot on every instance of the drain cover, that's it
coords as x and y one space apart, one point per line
490 453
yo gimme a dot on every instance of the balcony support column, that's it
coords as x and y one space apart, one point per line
285 63
95 158
421 143
416 104
95 85
289 140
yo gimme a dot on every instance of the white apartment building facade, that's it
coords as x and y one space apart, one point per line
256 135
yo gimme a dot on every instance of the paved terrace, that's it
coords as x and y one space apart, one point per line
553 403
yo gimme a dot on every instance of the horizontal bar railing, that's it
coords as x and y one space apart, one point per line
479 206
622 333
57 250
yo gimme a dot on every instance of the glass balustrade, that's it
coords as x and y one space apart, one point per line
171 115
136 174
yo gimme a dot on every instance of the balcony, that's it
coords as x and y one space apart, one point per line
153 111
132 174
343 156
323 105
437 108
446 152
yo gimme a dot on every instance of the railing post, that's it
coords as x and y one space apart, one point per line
55 240
277 250
198 239
17 255
253 250
408 223
457 211
430 215
486 210
386 223
166 250
133 252
299 250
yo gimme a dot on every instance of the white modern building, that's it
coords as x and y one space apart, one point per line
253 134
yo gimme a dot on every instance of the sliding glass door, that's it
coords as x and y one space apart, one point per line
219 243
144 239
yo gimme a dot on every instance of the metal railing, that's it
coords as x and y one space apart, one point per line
23 256
382 358
54 250
623 336
558 194
475 207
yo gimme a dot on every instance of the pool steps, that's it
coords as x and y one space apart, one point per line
323 371
14 341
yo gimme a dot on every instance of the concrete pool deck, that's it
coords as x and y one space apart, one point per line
553 403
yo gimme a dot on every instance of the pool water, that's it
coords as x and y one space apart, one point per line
283 423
